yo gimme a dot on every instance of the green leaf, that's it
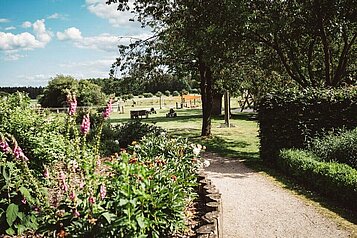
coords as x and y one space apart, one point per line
10 231
21 229
140 221
109 216
21 215
26 193
11 213
123 202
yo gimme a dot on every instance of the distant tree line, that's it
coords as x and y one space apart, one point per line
33 92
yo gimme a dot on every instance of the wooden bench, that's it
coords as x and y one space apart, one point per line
137 113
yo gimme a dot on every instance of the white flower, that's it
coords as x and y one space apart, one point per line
206 163
196 151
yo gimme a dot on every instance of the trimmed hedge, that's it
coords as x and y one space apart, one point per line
341 148
334 180
289 119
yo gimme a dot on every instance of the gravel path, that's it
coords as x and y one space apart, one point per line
255 207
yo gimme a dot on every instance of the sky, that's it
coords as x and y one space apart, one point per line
40 39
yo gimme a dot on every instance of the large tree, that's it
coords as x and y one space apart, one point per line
188 35
315 40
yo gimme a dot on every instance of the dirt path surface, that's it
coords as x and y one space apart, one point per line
253 206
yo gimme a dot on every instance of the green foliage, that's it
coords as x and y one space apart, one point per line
340 147
140 96
291 118
148 95
175 93
55 94
167 93
22 196
150 189
158 94
122 135
337 181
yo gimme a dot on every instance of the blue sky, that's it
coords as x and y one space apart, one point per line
42 38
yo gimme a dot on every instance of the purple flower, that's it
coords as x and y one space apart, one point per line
85 126
19 154
72 102
24 201
72 195
46 173
108 109
91 200
4 146
103 191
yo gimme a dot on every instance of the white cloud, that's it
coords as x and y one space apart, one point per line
12 55
26 24
10 28
26 40
116 18
54 16
57 16
71 33
4 20
104 42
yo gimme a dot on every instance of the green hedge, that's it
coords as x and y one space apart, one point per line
334 180
289 119
341 148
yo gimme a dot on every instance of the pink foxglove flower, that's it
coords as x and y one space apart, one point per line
24 201
85 126
72 102
108 109
72 196
19 154
4 146
103 191
81 184
46 173
91 200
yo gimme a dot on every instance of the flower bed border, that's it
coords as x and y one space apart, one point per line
211 220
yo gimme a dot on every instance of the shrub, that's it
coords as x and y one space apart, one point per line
291 118
140 96
122 135
337 181
125 97
194 90
148 95
158 94
175 93
167 93
340 147
184 92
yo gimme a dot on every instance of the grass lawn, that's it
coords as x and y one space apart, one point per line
240 141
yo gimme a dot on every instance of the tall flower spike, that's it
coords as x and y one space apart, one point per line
19 154
108 109
72 102
4 146
103 191
85 126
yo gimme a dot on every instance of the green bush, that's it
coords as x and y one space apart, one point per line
148 95
341 148
175 93
334 180
184 92
122 135
167 93
289 119
140 96
158 94
194 90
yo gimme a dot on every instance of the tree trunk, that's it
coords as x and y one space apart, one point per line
207 96
217 104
